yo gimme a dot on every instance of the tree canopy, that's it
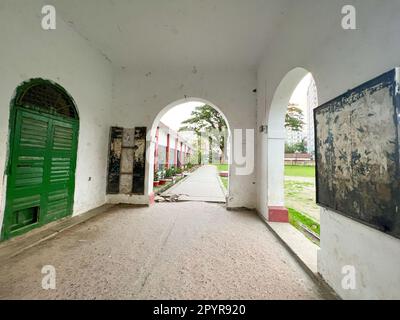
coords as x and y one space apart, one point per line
294 118
206 120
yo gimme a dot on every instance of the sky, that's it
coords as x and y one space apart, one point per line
174 117
299 95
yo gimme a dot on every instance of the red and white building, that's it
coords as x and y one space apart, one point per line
171 149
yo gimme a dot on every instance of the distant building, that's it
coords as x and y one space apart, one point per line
312 103
293 137
171 149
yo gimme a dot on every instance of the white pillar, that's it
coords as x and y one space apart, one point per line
275 165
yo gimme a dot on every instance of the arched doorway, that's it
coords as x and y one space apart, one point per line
276 143
44 126
175 150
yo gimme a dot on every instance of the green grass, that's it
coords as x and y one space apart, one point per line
225 182
295 218
300 171
223 167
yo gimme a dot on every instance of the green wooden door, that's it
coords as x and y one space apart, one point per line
40 184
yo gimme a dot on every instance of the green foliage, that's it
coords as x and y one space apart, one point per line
168 173
294 118
206 119
203 119
297 147
156 176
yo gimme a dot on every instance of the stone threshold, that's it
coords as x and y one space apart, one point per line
301 248
15 246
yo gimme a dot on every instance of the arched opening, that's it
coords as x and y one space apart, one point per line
40 170
290 142
196 149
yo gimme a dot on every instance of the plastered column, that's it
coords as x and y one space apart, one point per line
276 199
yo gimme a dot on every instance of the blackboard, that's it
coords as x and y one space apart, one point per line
357 153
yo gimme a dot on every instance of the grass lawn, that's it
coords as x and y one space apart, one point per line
223 167
224 182
295 218
300 171
300 199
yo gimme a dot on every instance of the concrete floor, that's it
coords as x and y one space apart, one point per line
202 185
187 250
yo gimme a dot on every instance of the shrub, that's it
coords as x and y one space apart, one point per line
168 173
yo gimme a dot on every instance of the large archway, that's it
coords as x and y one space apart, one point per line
153 141
40 170
276 143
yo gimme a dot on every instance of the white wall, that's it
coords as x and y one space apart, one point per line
63 56
374 255
311 37
140 96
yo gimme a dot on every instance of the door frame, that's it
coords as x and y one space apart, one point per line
12 122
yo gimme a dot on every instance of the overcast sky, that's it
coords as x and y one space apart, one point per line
174 117
300 94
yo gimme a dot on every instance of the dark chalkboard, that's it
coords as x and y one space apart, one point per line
357 154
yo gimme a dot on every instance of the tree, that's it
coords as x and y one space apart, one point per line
296 147
205 119
294 118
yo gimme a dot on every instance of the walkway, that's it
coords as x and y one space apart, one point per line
202 185
188 250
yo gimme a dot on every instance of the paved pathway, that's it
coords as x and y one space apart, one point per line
202 185
187 250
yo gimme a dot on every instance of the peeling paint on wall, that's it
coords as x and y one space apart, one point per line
357 154
127 161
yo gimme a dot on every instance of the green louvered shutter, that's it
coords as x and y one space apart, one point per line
41 176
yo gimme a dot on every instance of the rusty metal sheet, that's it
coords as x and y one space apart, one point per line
139 160
125 185
357 154
127 160
114 160
128 140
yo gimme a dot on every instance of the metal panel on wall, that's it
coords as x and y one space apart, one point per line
357 154
114 160
127 161
139 160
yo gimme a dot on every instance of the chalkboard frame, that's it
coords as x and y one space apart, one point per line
391 79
